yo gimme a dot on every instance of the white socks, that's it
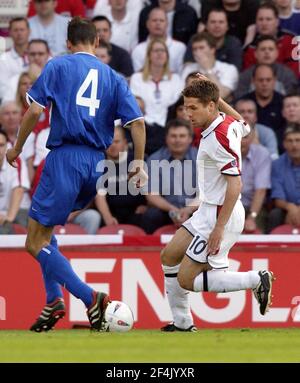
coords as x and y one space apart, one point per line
178 298
222 281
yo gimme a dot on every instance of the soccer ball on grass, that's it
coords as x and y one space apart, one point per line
118 317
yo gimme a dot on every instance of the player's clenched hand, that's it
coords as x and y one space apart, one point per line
11 156
215 239
137 174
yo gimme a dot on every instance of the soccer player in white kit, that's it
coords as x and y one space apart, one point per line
196 259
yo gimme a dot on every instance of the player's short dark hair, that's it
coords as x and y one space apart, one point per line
204 91
269 5
263 38
3 132
290 129
81 31
101 18
178 123
18 19
271 67
204 36
39 41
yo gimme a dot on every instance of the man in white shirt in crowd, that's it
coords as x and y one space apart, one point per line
38 55
15 60
102 6
10 119
12 184
124 24
157 24
224 75
49 26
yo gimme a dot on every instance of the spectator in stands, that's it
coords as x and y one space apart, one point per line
124 24
114 201
240 14
297 5
182 20
170 192
89 219
289 18
12 184
228 48
267 23
157 25
267 100
262 134
41 130
204 52
158 87
155 134
69 8
49 26
286 182
38 55
256 179
24 84
291 108
15 60
120 58
266 52
10 119
101 7
103 52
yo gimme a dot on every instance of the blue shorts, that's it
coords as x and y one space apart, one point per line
68 183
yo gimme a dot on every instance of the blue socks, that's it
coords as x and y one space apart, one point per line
56 266
53 289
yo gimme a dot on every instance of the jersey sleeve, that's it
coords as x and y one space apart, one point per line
127 106
226 155
245 128
42 91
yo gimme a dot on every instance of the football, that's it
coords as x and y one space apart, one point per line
118 317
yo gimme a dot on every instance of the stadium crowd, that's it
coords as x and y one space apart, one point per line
247 47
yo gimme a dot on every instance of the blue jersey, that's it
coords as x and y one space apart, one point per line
85 97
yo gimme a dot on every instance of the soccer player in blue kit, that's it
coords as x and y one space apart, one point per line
85 97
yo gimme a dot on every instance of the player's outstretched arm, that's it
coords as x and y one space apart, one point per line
29 121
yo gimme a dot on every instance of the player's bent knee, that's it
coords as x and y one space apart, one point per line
185 282
164 256
34 246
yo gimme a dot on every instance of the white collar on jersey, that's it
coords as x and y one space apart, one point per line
213 125
84 53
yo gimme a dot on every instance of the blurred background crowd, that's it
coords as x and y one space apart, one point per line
249 48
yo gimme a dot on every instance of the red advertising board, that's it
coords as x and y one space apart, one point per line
136 278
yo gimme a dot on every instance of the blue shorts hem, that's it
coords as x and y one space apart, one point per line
45 221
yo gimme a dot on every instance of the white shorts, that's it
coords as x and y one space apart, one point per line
202 223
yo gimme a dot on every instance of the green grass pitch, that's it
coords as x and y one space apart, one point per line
232 345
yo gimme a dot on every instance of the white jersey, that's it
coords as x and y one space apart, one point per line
219 154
